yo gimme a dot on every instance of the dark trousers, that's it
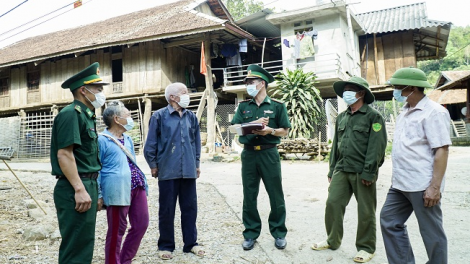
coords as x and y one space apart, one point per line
185 191
343 185
397 209
256 166
77 229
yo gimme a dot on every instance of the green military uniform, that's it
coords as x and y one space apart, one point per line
76 125
357 153
263 164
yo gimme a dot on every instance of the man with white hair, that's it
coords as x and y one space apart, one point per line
172 150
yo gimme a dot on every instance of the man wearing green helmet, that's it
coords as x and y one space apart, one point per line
357 153
419 157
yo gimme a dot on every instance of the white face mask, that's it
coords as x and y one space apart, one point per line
184 100
100 99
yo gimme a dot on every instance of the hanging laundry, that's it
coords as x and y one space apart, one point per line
306 47
297 39
229 50
312 33
234 60
214 51
192 79
243 44
286 43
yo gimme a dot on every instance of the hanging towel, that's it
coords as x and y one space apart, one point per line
243 44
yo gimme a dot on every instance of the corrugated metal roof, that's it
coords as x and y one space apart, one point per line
413 16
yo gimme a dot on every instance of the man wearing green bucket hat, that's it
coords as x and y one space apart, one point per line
260 158
419 156
75 163
357 153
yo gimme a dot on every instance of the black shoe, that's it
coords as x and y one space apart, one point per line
280 243
248 243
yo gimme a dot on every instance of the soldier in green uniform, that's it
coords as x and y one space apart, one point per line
260 158
357 153
75 163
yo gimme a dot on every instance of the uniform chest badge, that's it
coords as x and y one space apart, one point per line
376 127
246 111
268 111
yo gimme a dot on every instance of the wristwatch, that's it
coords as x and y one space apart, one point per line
273 131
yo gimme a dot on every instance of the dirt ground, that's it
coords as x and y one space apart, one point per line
219 217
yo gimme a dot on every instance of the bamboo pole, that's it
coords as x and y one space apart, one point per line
24 187
262 54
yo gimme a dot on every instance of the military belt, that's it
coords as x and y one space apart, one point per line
91 175
260 147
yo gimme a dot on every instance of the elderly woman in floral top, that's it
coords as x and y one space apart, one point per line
123 186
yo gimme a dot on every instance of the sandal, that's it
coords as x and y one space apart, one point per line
165 255
198 251
363 256
321 245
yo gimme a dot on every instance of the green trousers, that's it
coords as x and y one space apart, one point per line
77 229
262 165
343 185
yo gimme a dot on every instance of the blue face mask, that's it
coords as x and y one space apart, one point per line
129 125
251 90
400 98
349 97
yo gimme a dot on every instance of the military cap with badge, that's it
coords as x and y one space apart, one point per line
88 76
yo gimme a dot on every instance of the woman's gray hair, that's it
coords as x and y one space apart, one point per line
173 89
114 108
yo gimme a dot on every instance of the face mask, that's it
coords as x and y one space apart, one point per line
184 100
129 125
100 99
400 98
251 90
349 97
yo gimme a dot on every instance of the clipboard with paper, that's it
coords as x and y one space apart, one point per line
245 128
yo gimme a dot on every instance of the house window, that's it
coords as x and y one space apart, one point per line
4 87
33 81
117 75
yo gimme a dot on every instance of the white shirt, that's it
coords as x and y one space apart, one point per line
418 132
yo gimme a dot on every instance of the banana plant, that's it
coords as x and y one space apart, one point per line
297 89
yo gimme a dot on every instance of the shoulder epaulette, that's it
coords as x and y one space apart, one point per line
78 108
245 101
277 101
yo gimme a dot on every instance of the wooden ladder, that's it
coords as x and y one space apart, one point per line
460 128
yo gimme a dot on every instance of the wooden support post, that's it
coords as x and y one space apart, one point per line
141 122
468 102
98 112
437 41
262 53
210 97
376 61
147 115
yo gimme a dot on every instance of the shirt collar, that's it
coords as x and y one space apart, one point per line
267 99
363 109
172 110
419 106
85 109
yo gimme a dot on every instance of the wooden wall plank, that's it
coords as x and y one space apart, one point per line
150 82
409 56
398 50
380 59
142 63
389 55
15 87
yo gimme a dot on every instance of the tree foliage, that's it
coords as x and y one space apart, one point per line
242 8
458 55
297 89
